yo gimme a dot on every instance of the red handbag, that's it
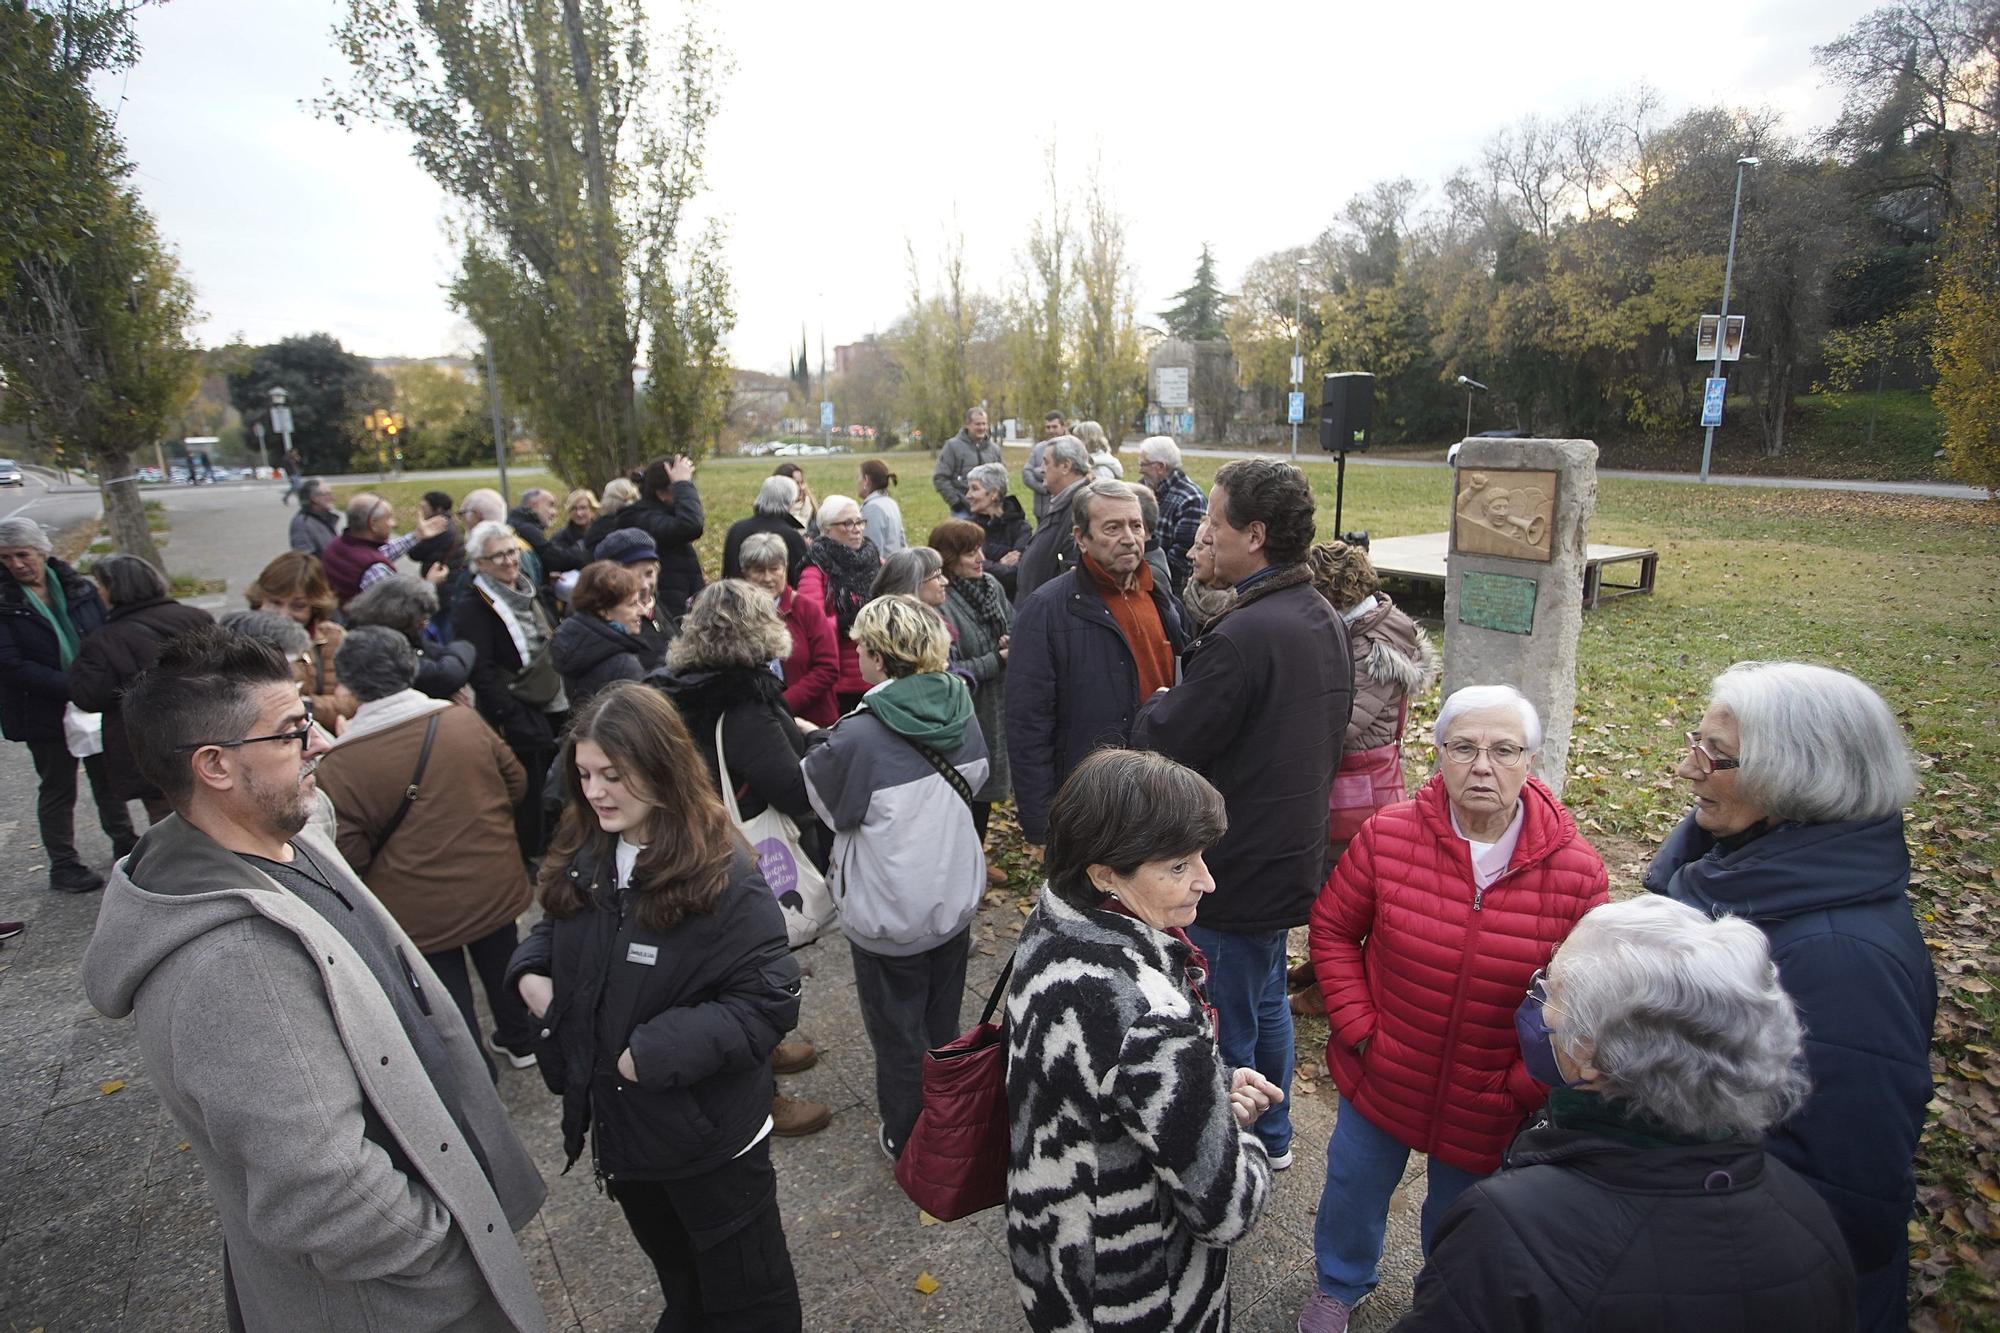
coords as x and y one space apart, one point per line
955 1161
1366 781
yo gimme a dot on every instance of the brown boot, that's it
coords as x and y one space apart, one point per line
791 1120
793 1057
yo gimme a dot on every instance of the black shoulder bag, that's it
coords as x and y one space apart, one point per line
410 793
941 764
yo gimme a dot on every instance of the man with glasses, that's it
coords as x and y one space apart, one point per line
357 1155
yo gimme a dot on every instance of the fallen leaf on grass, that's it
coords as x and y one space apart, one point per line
926 1284
113 1086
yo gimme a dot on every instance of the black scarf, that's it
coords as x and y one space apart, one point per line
850 572
1287 577
982 596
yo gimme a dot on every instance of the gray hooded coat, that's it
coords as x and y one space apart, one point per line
265 1034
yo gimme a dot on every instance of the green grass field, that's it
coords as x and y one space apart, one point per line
1898 590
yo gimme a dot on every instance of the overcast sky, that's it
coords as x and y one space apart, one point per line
847 129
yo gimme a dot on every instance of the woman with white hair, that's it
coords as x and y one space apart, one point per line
771 512
514 678
840 574
47 609
1800 774
1643 1196
1423 941
1000 516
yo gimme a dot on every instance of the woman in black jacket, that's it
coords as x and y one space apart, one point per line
47 609
718 672
409 605
142 618
599 644
514 683
669 511
662 981
1644 1197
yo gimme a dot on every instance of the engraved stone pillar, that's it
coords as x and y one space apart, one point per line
1513 596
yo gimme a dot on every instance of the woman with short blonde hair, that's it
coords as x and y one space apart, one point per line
894 781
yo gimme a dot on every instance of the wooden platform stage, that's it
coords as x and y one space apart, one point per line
1421 559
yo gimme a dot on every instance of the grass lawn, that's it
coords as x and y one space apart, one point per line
1901 591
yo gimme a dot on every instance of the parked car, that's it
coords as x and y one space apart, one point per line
10 473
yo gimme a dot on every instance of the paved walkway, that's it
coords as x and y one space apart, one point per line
105 1220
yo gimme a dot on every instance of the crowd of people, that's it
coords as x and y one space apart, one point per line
1694 1109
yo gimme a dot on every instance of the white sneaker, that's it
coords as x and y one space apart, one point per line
1283 1161
513 1057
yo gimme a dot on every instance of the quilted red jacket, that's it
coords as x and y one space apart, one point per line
1430 970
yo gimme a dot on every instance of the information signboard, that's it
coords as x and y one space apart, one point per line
1503 602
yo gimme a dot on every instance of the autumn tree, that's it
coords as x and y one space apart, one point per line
575 157
933 345
1108 384
94 310
1041 308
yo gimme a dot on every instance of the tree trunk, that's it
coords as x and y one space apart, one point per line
124 510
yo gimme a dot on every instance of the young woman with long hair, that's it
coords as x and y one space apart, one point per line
662 982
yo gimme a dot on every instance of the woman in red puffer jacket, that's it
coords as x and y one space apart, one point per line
1424 940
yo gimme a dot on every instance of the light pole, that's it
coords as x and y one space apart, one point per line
1298 328
1721 328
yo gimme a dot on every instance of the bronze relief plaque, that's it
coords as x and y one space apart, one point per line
1504 512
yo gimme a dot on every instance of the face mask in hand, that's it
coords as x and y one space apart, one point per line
1538 1050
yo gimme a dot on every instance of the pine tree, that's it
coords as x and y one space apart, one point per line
1198 317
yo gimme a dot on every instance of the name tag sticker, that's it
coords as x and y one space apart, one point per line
645 954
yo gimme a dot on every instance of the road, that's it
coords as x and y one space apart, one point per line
54 506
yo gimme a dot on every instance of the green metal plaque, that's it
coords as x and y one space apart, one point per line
1505 602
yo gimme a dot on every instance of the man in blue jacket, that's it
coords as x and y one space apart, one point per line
1089 647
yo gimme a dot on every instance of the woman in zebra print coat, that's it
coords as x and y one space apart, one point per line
1131 1172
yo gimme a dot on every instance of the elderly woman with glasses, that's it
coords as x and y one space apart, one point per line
839 573
1643 1196
1001 519
1423 941
1799 776
514 678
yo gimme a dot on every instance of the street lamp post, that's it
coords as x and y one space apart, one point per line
1728 271
1298 328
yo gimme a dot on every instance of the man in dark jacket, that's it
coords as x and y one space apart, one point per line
1260 712
669 511
47 609
1182 505
1052 550
531 521
1088 648
314 527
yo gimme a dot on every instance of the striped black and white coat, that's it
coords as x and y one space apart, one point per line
1128 1178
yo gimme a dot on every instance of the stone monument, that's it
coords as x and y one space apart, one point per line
1513 593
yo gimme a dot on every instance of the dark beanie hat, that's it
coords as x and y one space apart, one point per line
628 546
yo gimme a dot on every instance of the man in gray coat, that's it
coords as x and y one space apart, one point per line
962 453
360 1162
315 526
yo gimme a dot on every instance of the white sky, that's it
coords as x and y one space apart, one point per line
847 128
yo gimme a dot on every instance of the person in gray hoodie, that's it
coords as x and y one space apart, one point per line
362 1167
894 781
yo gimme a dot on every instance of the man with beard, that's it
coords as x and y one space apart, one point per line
357 1155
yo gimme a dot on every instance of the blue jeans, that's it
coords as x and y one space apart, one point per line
1246 984
1363 1167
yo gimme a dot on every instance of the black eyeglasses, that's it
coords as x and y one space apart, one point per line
1706 762
303 736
